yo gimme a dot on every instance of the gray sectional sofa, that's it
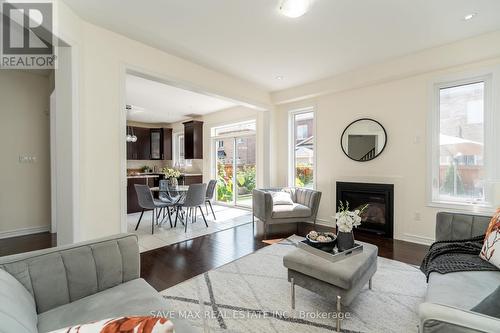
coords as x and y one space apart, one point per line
76 284
304 209
450 296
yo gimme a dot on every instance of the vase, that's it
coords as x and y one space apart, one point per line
173 181
345 240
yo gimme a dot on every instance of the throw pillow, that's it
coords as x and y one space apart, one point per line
123 325
491 247
490 306
282 198
17 306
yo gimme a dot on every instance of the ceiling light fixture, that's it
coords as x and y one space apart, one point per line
279 77
294 8
134 108
469 17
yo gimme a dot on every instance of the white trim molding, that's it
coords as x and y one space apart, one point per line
416 239
24 232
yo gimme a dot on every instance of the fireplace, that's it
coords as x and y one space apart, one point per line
378 217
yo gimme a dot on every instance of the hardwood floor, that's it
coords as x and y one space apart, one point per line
27 243
170 265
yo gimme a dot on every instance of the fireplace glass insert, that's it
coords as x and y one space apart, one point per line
378 216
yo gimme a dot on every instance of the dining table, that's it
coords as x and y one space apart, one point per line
181 189
177 193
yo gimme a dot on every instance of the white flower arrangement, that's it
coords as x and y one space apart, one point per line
171 173
346 219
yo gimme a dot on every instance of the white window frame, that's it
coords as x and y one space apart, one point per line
291 145
490 77
176 150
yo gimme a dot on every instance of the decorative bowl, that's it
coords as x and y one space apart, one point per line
322 245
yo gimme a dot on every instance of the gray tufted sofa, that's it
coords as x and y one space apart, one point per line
75 284
304 209
450 296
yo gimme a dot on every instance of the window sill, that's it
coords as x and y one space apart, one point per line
482 209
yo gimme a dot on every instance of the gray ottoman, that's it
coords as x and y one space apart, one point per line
344 278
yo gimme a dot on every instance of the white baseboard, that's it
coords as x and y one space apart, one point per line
417 239
324 223
406 237
23 232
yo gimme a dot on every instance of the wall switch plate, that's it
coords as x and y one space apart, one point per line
417 216
27 159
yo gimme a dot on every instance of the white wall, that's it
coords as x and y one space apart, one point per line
24 130
103 57
402 107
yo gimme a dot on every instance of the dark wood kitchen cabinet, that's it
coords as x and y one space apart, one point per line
156 140
167 144
132 202
140 149
161 143
193 140
191 179
143 145
151 144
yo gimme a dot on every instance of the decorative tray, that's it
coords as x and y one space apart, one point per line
332 256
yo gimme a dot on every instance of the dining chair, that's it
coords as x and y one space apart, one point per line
166 196
209 197
147 202
195 197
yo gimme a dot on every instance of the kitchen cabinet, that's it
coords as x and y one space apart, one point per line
151 144
193 140
167 144
132 202
156 139
191 179
133 148
143 145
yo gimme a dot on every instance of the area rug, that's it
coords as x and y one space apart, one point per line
252 294
227 218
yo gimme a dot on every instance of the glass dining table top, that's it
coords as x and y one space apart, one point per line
178 188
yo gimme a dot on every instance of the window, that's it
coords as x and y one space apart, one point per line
460 171
302 132
301 148
247 127
179 160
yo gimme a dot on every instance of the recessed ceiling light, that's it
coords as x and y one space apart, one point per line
469 16
279 77
294 8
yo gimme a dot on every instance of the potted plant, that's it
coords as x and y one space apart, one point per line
346 221
172 175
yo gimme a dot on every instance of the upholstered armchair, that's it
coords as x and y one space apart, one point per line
303 208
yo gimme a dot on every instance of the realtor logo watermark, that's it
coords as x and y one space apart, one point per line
27 36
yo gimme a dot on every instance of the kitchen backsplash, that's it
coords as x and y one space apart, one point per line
196 167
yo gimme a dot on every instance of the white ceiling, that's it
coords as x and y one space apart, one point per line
155 102
251 40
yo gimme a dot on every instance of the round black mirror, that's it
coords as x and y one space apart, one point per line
363 140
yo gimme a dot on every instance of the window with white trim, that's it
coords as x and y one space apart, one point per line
461 166
179 160
302 148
